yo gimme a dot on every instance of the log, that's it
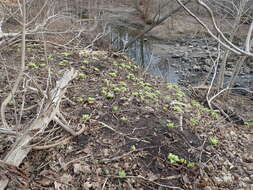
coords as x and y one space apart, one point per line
21 148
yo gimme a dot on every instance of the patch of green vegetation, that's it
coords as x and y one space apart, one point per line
50 57
86 62
33 66
115 108
134 67
180 94
113 74
131 76
172 86
122 173
165 108
135 93
82 75
66 54
104 90
214 114
63 63
178 109
120 89
195 103
11 103
124 118
125 66
110 95
170 125
96 69
147 88
114 63
122 83
167 98
248 123
151 95
214 141
157 92
80 99
194 121
133 148
85 117
91 100
173 158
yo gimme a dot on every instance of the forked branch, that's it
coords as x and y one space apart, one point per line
223 41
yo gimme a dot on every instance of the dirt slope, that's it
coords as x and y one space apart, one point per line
141 133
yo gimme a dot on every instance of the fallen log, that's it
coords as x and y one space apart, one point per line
21 148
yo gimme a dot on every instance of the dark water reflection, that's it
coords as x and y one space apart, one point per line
141 53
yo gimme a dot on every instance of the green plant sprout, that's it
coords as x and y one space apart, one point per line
115 108
131 76
248 123
63 63
91 100
96 69
133 148
173 158
33 66
214 114
170 125
178 109
110 95
113 74
104 90
11 103
169 85
85 117
66 54
122 173
214 141
80 99
86 62
195 103
124 118
82 75
194 121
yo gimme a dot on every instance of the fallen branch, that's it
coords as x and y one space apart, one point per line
21 147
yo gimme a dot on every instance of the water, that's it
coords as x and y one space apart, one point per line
141 52
171 61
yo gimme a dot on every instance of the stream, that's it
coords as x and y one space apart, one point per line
185 61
